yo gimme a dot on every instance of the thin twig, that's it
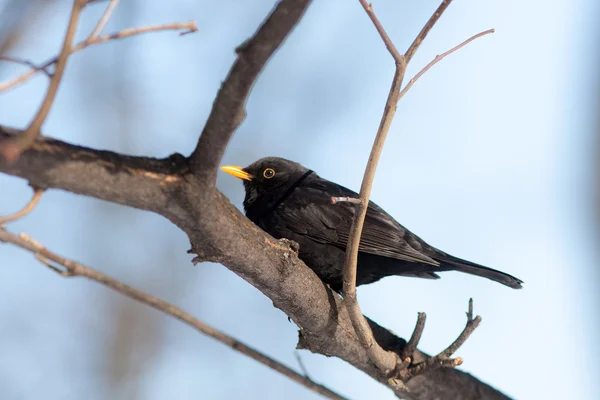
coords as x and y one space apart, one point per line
335 200
389 44
472 324
103 20
415 338
35 199
187 27
426 29
20 79
74 268
26 63
301 364
12 149
440 57
384 360
443 358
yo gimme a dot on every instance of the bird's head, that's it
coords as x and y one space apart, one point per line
267 179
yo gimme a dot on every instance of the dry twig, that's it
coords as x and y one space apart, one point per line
35 199
186 27
26 63
352 200
443 358
73 268
13 148
103 20
440 57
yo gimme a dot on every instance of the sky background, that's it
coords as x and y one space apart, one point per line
491 157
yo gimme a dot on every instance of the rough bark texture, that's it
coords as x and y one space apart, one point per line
219 232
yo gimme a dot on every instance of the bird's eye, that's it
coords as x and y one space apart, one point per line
269 173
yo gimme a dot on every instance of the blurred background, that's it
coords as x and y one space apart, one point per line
493 157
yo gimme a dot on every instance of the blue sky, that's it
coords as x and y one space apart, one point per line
490 158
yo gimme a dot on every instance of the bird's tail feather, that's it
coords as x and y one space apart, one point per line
468 267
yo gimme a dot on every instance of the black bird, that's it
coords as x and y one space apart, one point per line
290 201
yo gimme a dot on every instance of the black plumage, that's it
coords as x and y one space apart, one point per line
290 201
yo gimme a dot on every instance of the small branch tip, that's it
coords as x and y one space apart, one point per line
352 200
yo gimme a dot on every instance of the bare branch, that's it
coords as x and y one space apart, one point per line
74 268
384 360
389 44
425 31
440 57
443 358
472 324
301 364
335 200
12 149
187 27
228 110
103 20
35 199
415 338
27 63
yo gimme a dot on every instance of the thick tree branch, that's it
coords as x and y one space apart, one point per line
223 234
229 107
73 268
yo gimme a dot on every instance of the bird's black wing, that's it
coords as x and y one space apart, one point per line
309 212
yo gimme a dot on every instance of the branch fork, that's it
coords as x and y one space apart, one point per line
389 363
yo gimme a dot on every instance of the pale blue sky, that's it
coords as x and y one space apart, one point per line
490 159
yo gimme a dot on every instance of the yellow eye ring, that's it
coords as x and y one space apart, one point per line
269 173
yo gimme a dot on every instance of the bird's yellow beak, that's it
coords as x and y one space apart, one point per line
238 172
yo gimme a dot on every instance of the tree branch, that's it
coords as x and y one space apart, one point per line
425 31
103 20
385 361
224 235
440 57
73 268
35 199
186 27
12 149
229 107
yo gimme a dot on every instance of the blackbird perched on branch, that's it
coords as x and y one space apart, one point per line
290 201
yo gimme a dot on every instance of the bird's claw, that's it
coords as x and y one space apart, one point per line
294 246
